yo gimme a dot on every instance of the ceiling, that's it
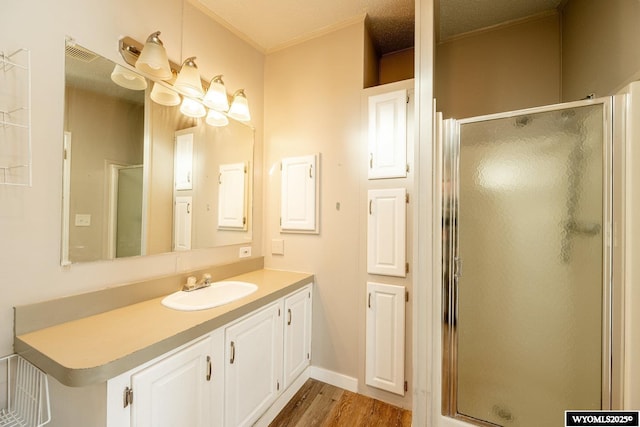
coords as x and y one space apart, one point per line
271 25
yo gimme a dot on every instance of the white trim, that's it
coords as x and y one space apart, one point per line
66 193
334 378
283 400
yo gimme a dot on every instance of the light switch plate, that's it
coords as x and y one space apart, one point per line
83 220
277 247
245 252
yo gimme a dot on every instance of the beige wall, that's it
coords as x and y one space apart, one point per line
308 113
312 106
599 47
30 218
397 66
506 68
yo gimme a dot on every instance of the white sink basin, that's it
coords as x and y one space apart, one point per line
219 293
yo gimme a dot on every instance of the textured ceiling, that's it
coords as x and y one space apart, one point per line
273 24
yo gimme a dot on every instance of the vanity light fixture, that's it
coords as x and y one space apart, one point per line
164 96
192 108
216 118
240 107
216 96
188 81
128 79
153 59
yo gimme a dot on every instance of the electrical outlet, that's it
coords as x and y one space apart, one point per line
245 252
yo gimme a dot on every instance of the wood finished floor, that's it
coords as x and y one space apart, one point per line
320 404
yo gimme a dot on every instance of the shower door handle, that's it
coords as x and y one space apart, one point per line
457 268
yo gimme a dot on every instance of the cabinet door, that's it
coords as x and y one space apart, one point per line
184 161
385 337
232 196
254 365
182 223
386 232
174 391
297 334
388 135
298 194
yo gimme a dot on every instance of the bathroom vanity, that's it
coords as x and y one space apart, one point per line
156 366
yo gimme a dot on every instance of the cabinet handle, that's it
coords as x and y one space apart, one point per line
310 168
189 176
209 368
370 206
233 353
370 160
188 208
369 301
289 321
220 178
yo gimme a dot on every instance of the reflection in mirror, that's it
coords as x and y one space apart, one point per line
126 165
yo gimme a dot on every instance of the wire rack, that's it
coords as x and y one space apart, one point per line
27 395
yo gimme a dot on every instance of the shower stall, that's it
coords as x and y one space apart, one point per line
528 293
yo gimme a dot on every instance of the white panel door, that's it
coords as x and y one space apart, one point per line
182 223
298 194
386 232
253 365
388 135
385 337
297 334
232 196
175 391
183 172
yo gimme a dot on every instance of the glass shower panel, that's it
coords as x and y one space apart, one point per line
530 241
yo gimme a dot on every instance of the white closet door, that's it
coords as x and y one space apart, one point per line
386 232
184 161
232 196
182 223
388 135
298 194
385 337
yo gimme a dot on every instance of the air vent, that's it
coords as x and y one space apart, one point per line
79 53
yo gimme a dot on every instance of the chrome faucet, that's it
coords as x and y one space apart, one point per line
192 285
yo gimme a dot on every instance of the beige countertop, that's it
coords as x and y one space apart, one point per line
99 347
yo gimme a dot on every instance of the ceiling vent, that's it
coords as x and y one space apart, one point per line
78 52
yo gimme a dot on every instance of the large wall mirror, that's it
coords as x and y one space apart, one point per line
140 178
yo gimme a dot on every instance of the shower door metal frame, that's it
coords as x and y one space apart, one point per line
452 266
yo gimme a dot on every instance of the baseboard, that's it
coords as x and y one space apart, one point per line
282 400
333 378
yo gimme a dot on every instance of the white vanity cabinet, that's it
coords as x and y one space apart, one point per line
265 352
183 388
297 334
253 371
229 377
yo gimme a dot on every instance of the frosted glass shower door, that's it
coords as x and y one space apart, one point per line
529 326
